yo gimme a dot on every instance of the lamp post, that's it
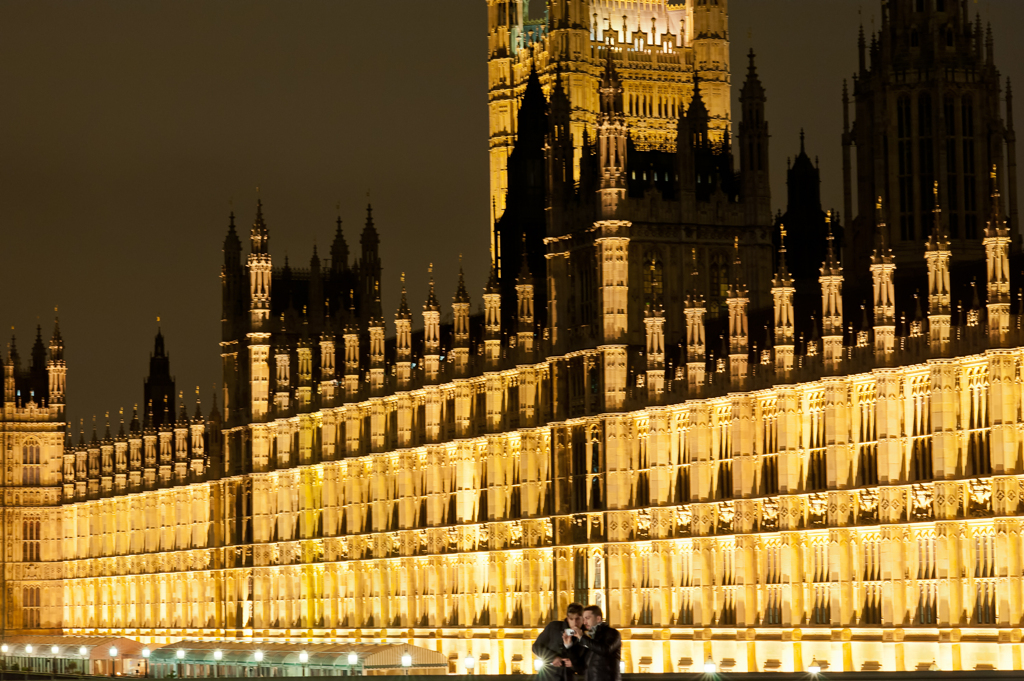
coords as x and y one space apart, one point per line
113 660
709 665
145 656
406 662
258 656
814 668
53 659
180 654
3 650
470 663
217 655
303 658
83 653
353 660
538 664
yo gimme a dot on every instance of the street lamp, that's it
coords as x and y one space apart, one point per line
53 658
406 662
303 658
352 659
469 662
145 653
28 648
538 664
217 655
622 666
113 660
709 665
814 668
180 653
258 656
54 649
82 651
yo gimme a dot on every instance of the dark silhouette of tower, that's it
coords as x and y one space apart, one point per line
159 386
927 109
804 219
523 221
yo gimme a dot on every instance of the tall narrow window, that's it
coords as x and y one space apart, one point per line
653 281
30 607
30 541
30 463
905 159
970 183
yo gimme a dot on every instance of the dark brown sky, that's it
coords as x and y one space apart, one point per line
126 128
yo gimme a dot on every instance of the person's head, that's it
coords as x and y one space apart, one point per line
592 616
574 615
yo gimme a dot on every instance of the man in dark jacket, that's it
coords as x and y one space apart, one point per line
549 649
596 652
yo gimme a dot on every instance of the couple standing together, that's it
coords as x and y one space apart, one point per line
581 644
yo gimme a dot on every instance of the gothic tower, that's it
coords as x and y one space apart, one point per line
159 386
927 109
666 44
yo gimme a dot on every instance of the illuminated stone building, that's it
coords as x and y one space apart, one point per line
850 497
659 47
32 430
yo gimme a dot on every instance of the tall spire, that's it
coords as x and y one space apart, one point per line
997 257
460 313
695 340
403 341
339 249
937 256
56 369
431 334
831 281
232 244
739 339
259 236
782 297
883 270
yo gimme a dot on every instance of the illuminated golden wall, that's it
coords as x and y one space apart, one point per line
863 521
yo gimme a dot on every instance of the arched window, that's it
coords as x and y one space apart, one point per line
30 530
30 463
30 607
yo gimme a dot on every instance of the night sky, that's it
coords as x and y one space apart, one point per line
129 130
